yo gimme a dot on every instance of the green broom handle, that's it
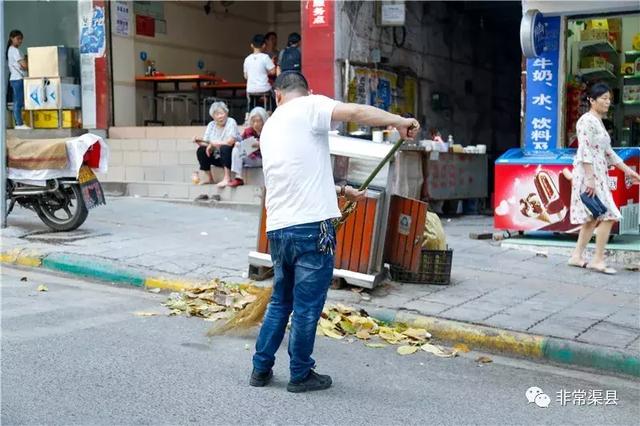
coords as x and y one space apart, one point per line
379 167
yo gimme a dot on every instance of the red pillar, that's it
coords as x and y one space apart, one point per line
318 50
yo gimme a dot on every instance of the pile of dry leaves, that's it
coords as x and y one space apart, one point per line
219 300
213 301
340 321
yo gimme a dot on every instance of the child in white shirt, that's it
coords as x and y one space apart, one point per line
257 68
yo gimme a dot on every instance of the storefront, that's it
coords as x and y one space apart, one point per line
195 51
570 46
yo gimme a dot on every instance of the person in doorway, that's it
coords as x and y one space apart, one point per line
217 143
17 70
271 49
271 46
239 156
257 67
301 201
290 58
590 174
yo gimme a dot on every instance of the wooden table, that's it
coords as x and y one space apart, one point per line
196 79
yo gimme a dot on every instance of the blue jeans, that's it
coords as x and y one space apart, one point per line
302 276
18 100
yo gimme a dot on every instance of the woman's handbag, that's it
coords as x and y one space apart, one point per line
593 204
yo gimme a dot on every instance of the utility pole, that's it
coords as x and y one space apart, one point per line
3 124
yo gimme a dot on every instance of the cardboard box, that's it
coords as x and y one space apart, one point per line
596 34
594 24
49 61
49 119
51 93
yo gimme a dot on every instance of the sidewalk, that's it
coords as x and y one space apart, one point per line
500 288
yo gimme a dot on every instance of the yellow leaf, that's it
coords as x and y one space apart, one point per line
484 360
336 319
325 323
407 350
461 347
145 314
332 333
417 333
344 309
42 287
363 334
375 345
438 350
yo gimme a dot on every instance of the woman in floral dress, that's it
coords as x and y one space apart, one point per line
590 175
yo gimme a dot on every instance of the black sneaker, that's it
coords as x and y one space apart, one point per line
313 382
260 379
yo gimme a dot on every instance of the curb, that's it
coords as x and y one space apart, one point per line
506 342
519 344
90 267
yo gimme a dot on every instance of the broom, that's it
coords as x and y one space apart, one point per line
252 314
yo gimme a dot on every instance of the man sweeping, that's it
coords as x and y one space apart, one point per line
301 202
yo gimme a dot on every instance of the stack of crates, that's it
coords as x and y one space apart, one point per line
51 94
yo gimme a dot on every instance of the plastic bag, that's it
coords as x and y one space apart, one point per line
433 235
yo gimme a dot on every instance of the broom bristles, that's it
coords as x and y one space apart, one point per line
248 317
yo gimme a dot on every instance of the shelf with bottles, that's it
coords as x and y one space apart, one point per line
596 47
589 74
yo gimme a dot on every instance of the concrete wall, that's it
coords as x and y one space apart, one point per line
221 40
474 63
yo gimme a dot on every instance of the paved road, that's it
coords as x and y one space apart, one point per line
77 355
492 286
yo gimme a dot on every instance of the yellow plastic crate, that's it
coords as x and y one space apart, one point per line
48 119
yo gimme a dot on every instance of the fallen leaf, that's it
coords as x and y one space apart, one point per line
23 279
145 314
42 287
325 323
417 333
246 346
331 333
407 350
363 334
217 316
375 345
484 360
154 290
438 350
357 289
365 297
461 347
347 327
344 309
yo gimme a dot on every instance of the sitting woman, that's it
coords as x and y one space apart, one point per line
244 156
217 143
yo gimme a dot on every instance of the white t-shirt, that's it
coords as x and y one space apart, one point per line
296 163
256 66
14 55
215 133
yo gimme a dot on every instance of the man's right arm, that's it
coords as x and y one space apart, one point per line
372 116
